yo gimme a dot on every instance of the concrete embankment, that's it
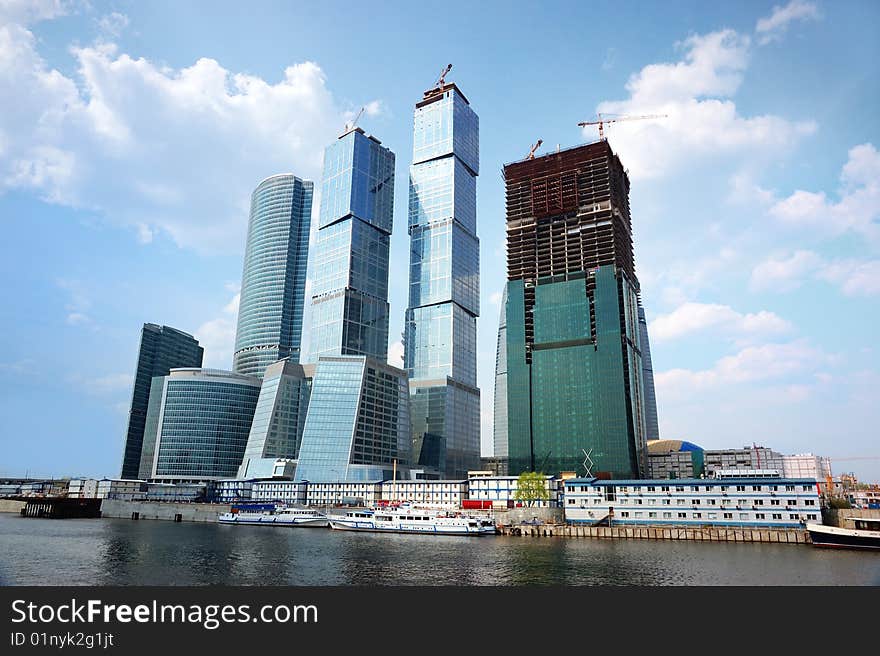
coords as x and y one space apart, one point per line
11 505
175 512
698 534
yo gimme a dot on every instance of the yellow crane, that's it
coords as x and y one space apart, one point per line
617 119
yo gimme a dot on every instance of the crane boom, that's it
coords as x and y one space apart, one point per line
534 148
602 122
442 78
350 126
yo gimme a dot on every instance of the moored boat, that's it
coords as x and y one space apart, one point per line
280 517
412 521
865 534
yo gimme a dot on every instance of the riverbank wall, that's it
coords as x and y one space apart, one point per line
170 511
838 516
11 506
697 534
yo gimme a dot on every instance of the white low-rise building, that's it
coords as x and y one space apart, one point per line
121 488
501 491
428 492
365 493
743 502
83 488
282 491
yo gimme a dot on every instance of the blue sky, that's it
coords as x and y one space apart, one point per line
131 136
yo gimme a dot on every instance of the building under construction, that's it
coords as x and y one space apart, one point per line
574 371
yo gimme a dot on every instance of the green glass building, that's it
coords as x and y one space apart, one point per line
574 370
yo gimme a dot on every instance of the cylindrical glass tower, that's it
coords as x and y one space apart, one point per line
273 283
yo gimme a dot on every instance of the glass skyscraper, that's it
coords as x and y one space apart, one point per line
358 424
440 336
350 292
652 426
162 348
203 424
270 314
500 406
279 417
574 370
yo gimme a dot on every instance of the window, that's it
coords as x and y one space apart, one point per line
639 514
652 514
756 488
571 502
759 502
695 502
682 514
712 515
774 488
795 516
774 502
680 502
728 515
759 515
623 488
667 502
789 488
679 488
744 515
712 502
724 488
667 515
665 488
811 516
651 488
698 515
624 514
777 515
806 488
809 502
740 488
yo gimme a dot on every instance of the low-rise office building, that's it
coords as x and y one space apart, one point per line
176 492
281 491
501 490
366 493
121 488
428 492
744 502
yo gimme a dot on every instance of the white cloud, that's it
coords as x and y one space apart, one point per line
113 24
856 277
217 335
495 298
701 120
395 354
784 273
79 302
692 317
111 383
26 12
751 364
856 211
183 147
772 27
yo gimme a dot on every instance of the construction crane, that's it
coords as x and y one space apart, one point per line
350 126
604 121
442 79
534 148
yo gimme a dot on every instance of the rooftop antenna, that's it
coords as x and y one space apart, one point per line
442 79
350 126
534 148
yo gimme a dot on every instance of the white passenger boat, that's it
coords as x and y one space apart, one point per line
280 517
412 521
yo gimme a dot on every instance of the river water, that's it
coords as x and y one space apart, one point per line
126 552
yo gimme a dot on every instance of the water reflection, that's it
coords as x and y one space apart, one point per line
125 552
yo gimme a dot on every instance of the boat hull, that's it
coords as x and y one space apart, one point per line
317 522
366 526
842 538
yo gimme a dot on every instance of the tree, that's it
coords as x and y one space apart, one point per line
531 487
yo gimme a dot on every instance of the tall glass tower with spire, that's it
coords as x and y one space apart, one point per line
273 282
357 427
440 336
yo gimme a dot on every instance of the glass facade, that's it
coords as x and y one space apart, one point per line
500 407
441 320
652 426
162 348
358 421
280 414
350 292
204 423
575 395
151 427
270 314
